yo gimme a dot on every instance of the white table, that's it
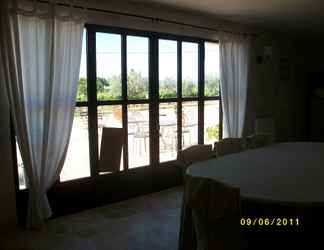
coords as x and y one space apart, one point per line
285 172
277 181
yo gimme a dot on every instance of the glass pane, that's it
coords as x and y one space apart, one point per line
109 116
138 135
137 67
21 170
108 52
211 69
82 86
168 131
77 163
168 68
211 122
189 124
189 69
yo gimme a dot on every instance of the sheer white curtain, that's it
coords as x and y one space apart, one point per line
234 60
42 53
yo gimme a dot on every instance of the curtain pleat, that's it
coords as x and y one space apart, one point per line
41 69
234 59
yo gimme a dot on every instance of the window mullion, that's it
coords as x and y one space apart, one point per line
92 102
124 99
201 88
154 101
179 95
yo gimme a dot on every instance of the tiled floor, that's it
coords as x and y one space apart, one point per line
144 223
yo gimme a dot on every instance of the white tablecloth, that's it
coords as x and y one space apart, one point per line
285 172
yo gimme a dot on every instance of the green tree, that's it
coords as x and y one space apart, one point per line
189 88
137 85
168 88
102 85
115 87
211 85
212 132
82 90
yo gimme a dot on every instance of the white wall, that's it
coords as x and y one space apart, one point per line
157 11
268 95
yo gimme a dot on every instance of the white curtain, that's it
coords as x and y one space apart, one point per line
234 60
41 53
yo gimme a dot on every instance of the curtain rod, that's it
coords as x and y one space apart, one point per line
153 19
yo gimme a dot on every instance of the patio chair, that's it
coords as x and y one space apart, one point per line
140 131
185 129
141 135
168 138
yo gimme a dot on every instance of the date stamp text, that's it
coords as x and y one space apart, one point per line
276 221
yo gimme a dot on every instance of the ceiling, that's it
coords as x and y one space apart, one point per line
282 15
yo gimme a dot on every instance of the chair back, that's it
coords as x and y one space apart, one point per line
229 146
265 125
110 153
194 154
215 210
259 140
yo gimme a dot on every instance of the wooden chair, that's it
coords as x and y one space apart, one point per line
110 153
194 154
216 213
229 146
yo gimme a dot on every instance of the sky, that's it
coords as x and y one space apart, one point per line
108 55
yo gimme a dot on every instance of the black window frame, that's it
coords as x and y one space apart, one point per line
153 100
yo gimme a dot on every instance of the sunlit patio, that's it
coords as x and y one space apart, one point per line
77 164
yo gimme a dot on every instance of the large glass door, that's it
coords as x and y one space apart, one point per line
163 92
168 105
122 97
